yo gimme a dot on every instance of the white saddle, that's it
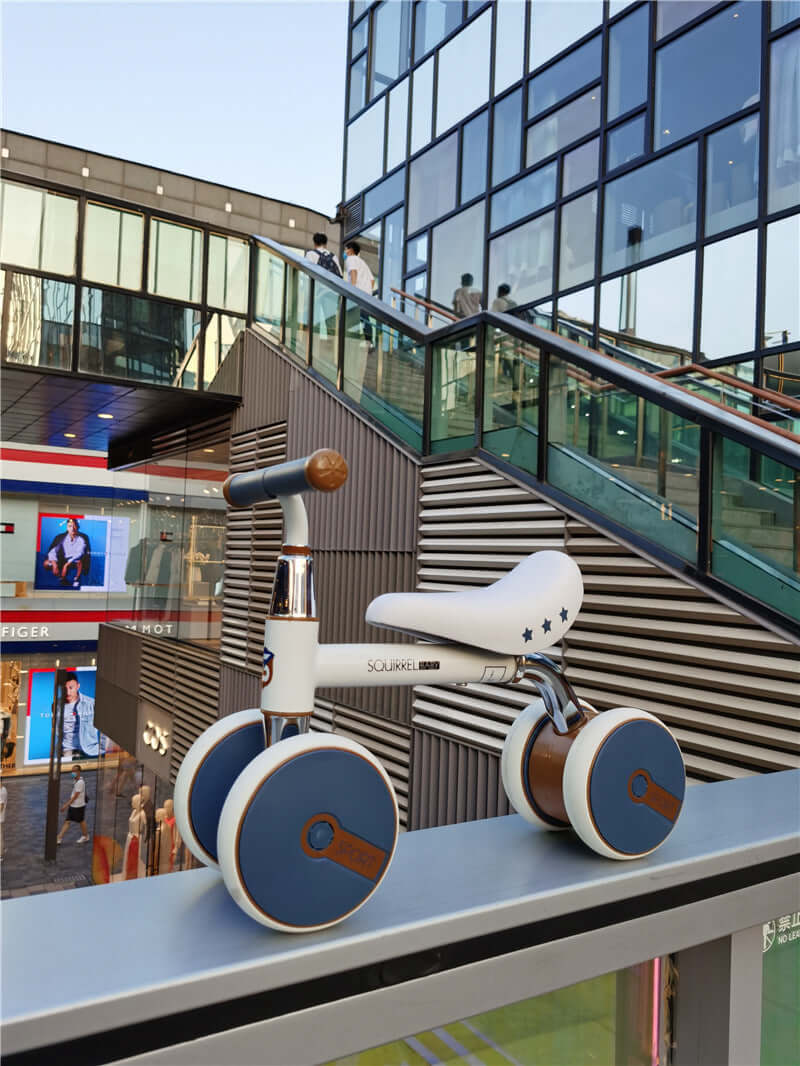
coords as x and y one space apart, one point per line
526 611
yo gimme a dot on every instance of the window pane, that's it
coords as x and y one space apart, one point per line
473 157
568 124
269 291
650 312
458 95
669 15
456 255
365 148
625 143
782 311
20 237
651 210
380 198
507 137
580 166
509 45
551 32
627 63
40 313
431 189
112 246
422 106
576 316
708 73
175 261
523 259
729 296
392 272
578 223
434 20
228 270
417 252
562 79
524 197
783 188
60 231
732 176
360 36
358 85
131 337
783 12
359 6
391 42
398 125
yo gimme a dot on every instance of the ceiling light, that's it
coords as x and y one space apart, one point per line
104 414
666 131
208 450
70 435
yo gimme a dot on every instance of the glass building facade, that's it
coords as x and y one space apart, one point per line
626 173
102 288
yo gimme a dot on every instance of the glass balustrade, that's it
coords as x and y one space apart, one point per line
384 371
755 533
623 456
611 445
454 377
511 399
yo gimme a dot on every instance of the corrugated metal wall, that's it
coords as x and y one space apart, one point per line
184 680
728 688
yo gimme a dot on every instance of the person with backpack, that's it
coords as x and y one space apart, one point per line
320 255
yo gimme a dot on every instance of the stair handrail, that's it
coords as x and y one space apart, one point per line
779 399
433 308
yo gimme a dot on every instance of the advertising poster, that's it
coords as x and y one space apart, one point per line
81 552
81 739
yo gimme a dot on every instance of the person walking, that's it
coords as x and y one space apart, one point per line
76 807
359 274
320 255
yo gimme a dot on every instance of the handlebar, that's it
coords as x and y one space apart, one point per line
324 470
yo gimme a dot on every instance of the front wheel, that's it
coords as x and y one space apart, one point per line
308 832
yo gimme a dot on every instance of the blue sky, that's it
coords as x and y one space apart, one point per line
249 94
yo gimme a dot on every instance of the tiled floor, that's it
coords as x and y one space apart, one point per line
24 870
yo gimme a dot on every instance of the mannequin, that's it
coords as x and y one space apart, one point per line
132 862
147 808
160 844
170 831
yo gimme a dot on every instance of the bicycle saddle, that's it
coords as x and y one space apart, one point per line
527 610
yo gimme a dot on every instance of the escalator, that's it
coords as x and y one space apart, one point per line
693 469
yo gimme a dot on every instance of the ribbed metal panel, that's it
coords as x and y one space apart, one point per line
265 377
183 679
238 689
453 782
346 582
252 544
728 689
202 435
376 508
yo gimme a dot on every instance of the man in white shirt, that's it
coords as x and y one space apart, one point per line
359 274
70 549
77 807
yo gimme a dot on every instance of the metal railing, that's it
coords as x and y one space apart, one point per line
710 489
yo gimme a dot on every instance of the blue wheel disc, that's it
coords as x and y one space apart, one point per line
213 780
618 782
280 835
